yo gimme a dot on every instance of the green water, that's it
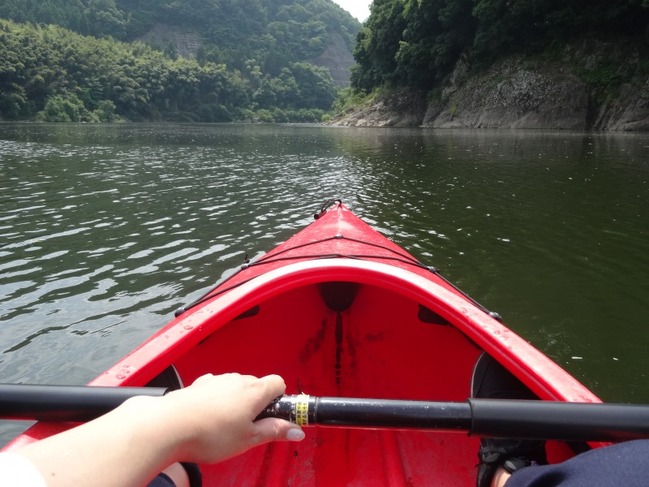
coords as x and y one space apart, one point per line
105 230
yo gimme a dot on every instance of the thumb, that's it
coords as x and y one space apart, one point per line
274 429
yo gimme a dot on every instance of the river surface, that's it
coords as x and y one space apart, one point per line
106 229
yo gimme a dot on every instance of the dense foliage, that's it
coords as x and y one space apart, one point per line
416 43
253 61
232 26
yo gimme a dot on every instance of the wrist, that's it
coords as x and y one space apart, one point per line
155 428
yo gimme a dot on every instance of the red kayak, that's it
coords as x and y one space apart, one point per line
339 310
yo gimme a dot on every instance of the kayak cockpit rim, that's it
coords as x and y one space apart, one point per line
537 371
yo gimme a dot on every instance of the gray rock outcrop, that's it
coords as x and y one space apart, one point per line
519 92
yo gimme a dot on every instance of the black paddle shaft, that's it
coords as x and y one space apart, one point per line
377 413
479 417
559 420
65 403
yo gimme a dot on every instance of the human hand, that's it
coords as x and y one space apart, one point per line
214 418
211 420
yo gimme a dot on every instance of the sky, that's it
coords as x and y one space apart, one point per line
358 8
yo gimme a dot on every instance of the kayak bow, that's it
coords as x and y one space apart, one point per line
339 310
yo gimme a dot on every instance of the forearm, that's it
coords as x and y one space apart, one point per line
126 447
209 421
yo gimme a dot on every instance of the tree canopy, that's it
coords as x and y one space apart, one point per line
416 43
80 59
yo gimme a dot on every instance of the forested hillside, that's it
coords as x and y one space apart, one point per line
417 43
87 60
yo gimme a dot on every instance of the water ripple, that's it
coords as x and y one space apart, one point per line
104 231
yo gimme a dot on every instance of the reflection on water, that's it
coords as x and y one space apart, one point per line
105 230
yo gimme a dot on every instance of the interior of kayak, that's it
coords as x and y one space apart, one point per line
349 340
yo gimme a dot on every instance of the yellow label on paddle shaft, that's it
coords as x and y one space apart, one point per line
302 410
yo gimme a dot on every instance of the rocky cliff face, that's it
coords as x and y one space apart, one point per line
185 43
576 91
338 59
511 95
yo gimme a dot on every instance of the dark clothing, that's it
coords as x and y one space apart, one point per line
624 464
193 473
162 480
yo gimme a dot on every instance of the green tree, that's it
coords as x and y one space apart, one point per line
436 33
315 88
377 45
68 108
105 19
105 111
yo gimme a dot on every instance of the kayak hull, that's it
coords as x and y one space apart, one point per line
339 310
